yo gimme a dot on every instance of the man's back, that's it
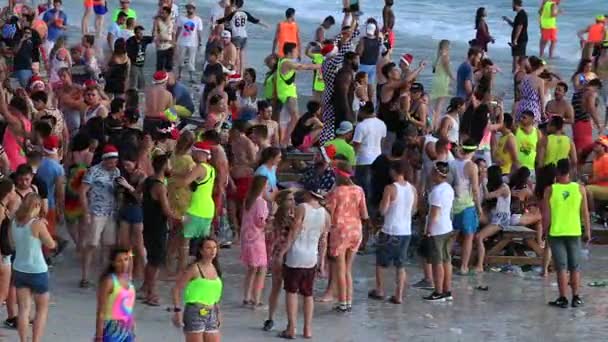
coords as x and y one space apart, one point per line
157 101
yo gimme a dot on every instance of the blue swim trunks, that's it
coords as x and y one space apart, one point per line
466 221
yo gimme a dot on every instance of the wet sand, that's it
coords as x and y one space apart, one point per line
514 309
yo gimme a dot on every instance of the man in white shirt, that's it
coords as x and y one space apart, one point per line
438 232
115 29
189 39
367 142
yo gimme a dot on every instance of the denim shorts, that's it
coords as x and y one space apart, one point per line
37 282
566 252
200 318
370 70
132 214
466 221
392 250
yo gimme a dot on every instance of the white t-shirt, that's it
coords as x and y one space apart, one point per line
115 31
174 12
189 31
369 133
442 196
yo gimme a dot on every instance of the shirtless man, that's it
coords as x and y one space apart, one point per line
70 101
158 100
229 52
417 115
559 106
324 27
243 161
344 88
388 21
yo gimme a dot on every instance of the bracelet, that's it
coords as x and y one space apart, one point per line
177 309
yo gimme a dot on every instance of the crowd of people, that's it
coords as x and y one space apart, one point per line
161 184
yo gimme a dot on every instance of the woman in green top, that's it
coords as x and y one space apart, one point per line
201 284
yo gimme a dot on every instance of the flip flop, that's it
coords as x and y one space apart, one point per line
324 300
373 294
394 300
602 283
284 334
152 302
84 284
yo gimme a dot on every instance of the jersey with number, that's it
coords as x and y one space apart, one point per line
237 21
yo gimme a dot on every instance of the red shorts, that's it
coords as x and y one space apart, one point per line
88 3
582 135
549 35
242 186
299 280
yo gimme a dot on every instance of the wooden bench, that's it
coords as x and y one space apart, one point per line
515 234
288 169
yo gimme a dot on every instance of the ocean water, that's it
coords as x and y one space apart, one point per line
419 27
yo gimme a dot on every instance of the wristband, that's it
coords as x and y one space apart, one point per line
177 309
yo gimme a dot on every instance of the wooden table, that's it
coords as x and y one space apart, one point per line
515 234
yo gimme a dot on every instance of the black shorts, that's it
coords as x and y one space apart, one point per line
156 248
299 280
519 50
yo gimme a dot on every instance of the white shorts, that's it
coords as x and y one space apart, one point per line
102 229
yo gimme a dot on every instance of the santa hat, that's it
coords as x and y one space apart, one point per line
90 83
328 153
407 59
36 83
202 146
109 151
50 145
329 50
160 77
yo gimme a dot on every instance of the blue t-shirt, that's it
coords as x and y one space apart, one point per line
271 175
465 73
182 96
48 172
55 31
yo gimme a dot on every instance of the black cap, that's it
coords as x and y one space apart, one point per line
417 87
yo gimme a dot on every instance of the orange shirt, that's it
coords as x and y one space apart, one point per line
288 33
600 169
596 33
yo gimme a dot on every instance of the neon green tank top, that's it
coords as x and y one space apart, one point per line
547 21
203 291
286 84
565 204
526 144
317 82
201 204
269 86
558 147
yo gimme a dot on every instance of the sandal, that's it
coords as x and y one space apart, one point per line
394 300
154 301
373 294
84 284
284 334
324 299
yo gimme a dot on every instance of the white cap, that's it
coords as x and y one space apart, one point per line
370 29
226 34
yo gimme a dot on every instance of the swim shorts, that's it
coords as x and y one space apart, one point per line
196 227
549 35
88 3
466 221
100 9
299 280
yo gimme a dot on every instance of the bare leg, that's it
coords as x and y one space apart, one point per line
211 337
447 277
248 284
467 247
84 25
428 271
197 337
275 291
98 24
330 291
182 254
552 48
309 306
575 281
74 231
258 285
380 281
438 277
42 309
291 303
400 283
137 243
124 240
87 257
339 272
543 44
24 299
5 282
349 259
485 233
439 106
562 283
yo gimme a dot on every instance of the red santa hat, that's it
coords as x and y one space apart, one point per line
329 50
160 77
50 145
407 59
202 146
109 151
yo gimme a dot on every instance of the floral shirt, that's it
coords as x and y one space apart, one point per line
347 206
102 192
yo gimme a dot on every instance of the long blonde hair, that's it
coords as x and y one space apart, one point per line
27 206
184 143
284 215
443 44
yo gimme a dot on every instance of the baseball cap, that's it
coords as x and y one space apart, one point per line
345 127
370 29
226 34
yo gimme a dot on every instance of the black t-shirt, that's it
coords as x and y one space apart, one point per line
301 130
81 72
381 177
521 19
23 57
136 50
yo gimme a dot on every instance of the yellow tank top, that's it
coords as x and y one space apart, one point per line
201 204
504 156
286 83
558 147
526 144
547 21
565 205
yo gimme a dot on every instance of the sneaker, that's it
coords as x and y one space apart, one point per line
349 307
268 325
448 296
11 323
560 302
423 284
341 308
435 297
576 302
